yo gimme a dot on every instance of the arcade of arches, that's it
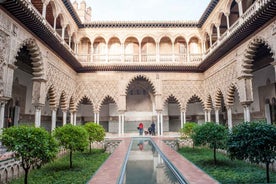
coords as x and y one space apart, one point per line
139 74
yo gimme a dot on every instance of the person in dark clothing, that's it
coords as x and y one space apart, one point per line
152 128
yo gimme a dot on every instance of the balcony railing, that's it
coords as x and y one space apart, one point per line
253 9
130 58
85 59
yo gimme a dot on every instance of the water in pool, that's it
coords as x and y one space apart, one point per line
145 165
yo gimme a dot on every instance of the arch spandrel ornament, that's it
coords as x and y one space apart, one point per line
97 90
182 90
3 54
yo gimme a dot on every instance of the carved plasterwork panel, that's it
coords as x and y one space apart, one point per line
221 79
182 90
96 91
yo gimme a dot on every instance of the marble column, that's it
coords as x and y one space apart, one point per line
217 115
120 125
123 123
2 113
37 116
64 117
209 115
158 124
205 116
74 118
246 111
183 118
162 124
71 118
54 118
229 118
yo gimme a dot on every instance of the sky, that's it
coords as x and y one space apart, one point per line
146 10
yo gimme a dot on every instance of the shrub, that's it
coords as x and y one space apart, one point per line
255 142
34 146
73 138
95 132
210 134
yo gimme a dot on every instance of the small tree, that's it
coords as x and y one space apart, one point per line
95 132
187 129
210 134
34 146
73 138
255 142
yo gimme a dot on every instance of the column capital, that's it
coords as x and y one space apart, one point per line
229 107
64 110
53 108
245 76
183 109
217 108
159 110
38 105
207 109
121 111
4 99
273 63
72 111
246 103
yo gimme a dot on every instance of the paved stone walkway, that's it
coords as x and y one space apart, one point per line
110 171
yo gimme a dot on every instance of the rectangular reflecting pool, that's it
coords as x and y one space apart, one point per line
145 164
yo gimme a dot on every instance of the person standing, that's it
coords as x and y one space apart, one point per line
152 128
141 128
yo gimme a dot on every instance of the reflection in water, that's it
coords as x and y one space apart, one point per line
145 165
141 145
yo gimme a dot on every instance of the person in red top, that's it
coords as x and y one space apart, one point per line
141 128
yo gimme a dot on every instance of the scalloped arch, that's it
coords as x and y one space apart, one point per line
35 56
208 102
171 96
81 98
108 97
218 98
52 97
230 96
63 101
140 76
250 53
195 97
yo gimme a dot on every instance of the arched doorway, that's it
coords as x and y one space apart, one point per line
195 111
109 114
263 81
140 104
172 111
85 111
19 108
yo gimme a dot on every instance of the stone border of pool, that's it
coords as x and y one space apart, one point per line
110 171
